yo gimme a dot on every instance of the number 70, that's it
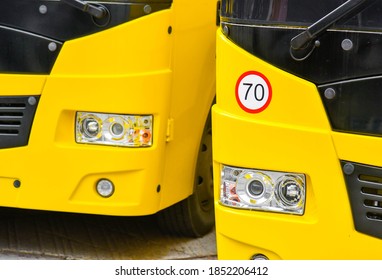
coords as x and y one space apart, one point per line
258 91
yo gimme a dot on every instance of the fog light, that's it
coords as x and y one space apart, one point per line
262 190
259 257
105 188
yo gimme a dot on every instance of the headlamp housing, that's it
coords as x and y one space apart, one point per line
113 129
263 190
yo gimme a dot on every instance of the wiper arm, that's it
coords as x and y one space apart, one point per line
305 37
94 10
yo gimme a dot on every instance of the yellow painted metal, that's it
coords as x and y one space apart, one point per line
193 91
291 135
161 64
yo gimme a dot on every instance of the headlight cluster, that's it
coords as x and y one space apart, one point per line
263 190
112 129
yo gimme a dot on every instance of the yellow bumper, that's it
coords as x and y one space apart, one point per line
291 135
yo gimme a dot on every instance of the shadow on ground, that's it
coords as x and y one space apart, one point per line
28 234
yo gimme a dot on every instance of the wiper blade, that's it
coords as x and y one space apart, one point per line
304 38
96 11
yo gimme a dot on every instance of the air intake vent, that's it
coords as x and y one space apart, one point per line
16 117
364 185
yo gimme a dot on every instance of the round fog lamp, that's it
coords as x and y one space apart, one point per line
259 257
105 188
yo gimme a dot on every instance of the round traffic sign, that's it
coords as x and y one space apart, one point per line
253 92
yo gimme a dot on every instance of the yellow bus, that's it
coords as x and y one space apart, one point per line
104 108
297 130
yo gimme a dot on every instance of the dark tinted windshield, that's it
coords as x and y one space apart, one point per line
300 12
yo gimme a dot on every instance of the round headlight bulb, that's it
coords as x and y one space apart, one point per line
91 127
254 188
117 129
105 188
290 191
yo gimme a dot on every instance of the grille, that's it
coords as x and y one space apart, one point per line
16 117
364 185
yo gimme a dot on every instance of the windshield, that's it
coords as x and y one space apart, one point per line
300 13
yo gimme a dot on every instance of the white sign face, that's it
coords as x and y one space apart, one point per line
253 92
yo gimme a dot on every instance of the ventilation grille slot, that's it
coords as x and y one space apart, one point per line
364 186
16 117
11 115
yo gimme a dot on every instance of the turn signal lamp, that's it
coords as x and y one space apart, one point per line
112 129
263 190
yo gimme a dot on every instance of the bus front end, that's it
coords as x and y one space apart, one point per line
103 106
297 130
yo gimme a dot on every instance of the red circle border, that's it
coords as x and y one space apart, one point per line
237 92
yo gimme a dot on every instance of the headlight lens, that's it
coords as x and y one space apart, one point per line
254 187
112 129
91 127
290 190
263 190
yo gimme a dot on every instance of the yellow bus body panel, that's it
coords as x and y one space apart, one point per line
292 134
161 64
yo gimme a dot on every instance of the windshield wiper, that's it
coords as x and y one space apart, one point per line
303 39
97 11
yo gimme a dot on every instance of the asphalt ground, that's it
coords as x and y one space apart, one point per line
26 234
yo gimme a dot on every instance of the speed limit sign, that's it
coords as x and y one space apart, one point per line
253 92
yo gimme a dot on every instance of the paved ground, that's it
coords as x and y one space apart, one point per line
49 235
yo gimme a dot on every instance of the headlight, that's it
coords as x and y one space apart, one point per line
263 190
112 129
290 191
